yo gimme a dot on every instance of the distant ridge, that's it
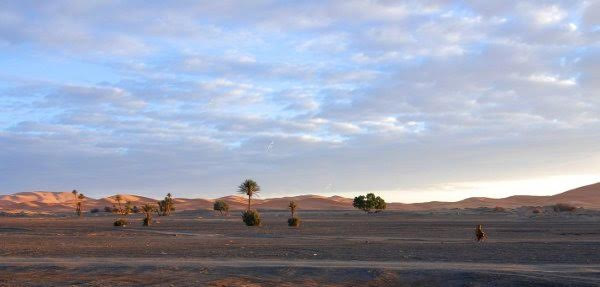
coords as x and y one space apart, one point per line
45 201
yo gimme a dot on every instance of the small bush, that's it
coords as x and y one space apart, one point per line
108 209
560 207
251 217
536 211
499 209
94 210
221 206
294 221
121 222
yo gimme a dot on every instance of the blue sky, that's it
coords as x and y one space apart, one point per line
414 100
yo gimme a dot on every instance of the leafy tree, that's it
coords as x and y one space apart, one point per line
369 203
147 209
166 206
250 188
221 206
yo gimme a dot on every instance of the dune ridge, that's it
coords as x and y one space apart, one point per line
46 201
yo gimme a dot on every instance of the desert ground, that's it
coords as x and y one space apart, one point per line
331 248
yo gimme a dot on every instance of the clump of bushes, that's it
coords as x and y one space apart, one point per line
120 222
561 207
499 209
94 210
166 206
294 222
221 206
147 209
537 211
251 217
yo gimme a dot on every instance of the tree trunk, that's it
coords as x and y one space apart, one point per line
248 202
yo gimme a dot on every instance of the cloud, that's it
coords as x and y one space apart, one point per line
361 95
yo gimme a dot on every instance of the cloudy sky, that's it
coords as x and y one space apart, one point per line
416 100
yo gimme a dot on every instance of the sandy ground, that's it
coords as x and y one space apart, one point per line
338 248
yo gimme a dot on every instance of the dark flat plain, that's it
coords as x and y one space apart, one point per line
336 248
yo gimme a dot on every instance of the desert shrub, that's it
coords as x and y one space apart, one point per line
369 203
537 210
108 209
94 210
135 209
148 209
251 217
560 207
221 206
499 209
294 221
166 206
120 222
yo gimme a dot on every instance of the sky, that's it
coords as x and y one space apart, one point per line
412 100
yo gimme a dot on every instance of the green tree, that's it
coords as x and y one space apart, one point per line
221 206
369 203
250 188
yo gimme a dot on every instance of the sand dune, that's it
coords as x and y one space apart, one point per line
45 201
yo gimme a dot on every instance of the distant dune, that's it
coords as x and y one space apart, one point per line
46 201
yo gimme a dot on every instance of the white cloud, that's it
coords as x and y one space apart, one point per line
549 14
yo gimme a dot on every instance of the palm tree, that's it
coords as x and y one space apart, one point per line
148 209
292 207
249 188
118 198
80 203
74 192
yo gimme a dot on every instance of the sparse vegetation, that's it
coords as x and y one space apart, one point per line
499 209
563 207
166 206
128 208
118 198
147 209
221 206
120 222
251 217
293 221
369 203
80 199
250 188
